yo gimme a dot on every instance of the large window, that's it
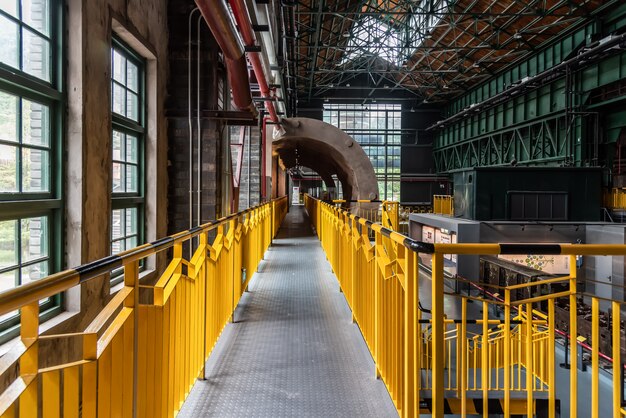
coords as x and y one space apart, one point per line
127 107
377 127
30 116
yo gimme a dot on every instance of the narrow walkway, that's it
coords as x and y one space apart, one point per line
293 351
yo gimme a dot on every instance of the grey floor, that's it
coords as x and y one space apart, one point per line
293 351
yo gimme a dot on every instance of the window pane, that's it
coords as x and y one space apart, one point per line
8 117
9 35
131 178
132 77
34 238
119 99
9 6
34 272
117 226
131 149
8 280
35 170
35 123
35 55
131 243
119 62
117 246
35 14
8 244
131 221
118 137
132 106
8 169
118 178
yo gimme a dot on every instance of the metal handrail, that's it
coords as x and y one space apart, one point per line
381 287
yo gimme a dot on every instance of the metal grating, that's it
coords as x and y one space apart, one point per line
293 351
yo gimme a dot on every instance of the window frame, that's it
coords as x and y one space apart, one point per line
352 118
16 206
125 125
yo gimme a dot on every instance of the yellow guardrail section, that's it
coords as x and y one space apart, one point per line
143 352
443 205
426 359
615 199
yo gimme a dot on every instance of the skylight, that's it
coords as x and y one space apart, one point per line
371 37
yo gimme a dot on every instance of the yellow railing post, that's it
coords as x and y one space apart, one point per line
377 303
529 360
573 336
485 359
507 353
616 315
551 361
29 362
410 339
463 347
595 361
438 343
131 280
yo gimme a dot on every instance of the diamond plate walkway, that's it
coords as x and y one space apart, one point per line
293 351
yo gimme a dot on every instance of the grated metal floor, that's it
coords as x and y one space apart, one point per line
293 351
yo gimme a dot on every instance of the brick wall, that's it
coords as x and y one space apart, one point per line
211 72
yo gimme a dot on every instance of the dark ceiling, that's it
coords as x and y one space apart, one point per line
427 50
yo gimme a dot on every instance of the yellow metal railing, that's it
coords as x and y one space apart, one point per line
423 356
385 212
144 350
443 204
615 199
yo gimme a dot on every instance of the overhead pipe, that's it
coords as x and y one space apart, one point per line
189 118
242 17
217 18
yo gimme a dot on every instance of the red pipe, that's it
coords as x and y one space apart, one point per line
217 18
242 17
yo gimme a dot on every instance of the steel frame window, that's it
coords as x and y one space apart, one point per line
31 109
128 131
377 127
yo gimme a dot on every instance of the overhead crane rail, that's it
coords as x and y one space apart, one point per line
143 352
431 363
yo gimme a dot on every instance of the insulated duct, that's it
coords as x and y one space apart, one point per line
216 16
240 11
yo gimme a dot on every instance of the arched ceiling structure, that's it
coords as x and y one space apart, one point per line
328 151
